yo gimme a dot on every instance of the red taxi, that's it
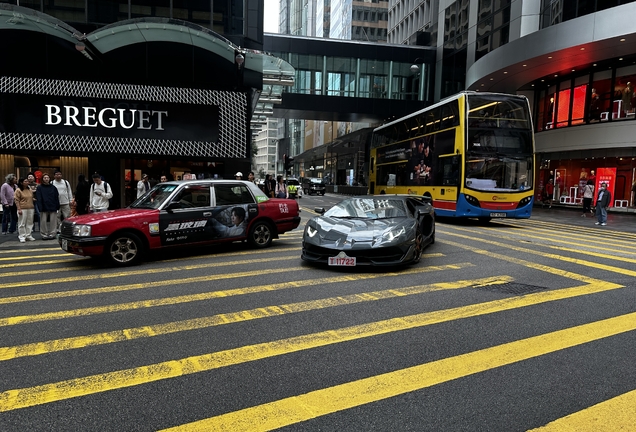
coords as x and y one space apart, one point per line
181 213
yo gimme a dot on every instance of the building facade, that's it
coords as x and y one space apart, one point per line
127 88
573 59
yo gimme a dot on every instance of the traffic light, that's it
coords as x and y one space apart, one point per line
289 162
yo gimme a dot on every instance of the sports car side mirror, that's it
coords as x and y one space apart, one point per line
319 210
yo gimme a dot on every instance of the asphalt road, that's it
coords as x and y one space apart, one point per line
508 326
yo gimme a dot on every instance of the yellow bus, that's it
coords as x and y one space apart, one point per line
472 154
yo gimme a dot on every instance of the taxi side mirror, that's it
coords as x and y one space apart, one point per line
319 210
174 205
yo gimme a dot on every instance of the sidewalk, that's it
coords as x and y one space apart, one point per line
617 219
11 241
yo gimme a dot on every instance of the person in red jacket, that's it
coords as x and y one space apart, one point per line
548 196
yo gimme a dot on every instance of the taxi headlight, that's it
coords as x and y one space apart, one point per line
81 230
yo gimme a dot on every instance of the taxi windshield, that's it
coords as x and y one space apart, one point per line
155 197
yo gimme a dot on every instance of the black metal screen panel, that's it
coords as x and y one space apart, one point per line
232 106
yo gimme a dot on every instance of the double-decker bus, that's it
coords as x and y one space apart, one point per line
472 153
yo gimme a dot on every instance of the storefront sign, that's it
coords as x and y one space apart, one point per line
51 115
608 176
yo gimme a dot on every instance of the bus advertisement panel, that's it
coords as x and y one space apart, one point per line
472 154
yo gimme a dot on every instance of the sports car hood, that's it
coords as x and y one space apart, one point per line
358 232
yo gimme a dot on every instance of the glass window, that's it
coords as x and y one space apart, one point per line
578 104
624 92
145 8
602 88
563 104
196 11
72 11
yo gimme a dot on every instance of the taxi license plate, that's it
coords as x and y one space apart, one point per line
65 245
497 215
342 261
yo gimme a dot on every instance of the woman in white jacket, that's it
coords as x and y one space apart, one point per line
588 195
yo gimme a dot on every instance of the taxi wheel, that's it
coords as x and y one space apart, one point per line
124 249
261 235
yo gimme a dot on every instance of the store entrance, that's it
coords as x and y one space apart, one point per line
171 169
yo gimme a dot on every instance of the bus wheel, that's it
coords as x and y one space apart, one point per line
485 219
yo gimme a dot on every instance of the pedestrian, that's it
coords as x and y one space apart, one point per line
250 177
82 195
588 196
603 201
268 186
26 210
143 186
100 193
33 185
163 179
48 201
549 194
9 210
65 197
239 175
281 189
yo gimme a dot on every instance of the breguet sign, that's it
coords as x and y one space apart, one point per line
50 115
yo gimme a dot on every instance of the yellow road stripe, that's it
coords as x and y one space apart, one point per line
589 250
145 271
79 259
31 396
24 319
48 249
583 262
321 402
569 235
20 255
616 414
38 348
180 281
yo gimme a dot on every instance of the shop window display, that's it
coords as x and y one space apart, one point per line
563 108
624 103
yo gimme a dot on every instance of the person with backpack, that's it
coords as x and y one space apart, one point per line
48 202
100 194
65 195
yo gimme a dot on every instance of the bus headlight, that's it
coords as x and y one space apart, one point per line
524 202
472 200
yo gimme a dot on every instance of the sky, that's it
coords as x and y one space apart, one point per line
271 16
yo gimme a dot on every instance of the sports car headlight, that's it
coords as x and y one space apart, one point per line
81 230
393 234
311 231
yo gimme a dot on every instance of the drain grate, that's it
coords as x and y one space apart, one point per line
512 288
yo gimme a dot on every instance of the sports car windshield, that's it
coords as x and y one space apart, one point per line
368 208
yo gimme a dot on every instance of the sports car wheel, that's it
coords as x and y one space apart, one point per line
124 249
261 235
419 247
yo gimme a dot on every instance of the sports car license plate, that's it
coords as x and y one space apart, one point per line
342 260
65 245
497 215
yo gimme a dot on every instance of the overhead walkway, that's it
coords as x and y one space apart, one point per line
340 80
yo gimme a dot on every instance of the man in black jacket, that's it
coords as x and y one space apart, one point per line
48 201
603 200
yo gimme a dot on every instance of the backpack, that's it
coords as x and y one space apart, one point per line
105 187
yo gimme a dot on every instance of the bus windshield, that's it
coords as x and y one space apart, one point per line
503 174
499 144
